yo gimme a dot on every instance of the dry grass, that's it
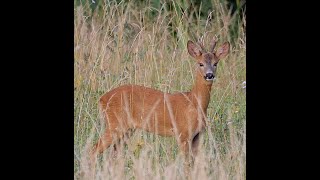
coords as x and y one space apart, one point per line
123 45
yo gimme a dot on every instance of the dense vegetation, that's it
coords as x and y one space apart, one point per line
144 42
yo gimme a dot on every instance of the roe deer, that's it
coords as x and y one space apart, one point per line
182 114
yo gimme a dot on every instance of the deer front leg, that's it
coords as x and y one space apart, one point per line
195 145
185 147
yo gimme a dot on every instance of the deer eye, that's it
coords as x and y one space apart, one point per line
215 64
200 64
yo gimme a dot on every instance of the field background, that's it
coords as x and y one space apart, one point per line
144 43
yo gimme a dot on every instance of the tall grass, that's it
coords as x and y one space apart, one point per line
126 44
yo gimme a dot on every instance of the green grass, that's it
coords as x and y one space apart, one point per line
123 43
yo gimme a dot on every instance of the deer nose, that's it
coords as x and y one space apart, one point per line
209 76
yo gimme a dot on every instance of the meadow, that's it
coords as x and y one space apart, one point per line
119 43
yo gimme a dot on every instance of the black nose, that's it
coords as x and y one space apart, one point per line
209 76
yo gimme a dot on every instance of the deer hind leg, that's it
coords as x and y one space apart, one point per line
109 138
110 135
103 143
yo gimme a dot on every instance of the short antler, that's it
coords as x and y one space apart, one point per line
213 44
200 43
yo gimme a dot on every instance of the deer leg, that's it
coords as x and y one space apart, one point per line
184 145
185 148
120 142
103 143
108 139
195 145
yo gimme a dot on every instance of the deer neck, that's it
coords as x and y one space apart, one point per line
200 93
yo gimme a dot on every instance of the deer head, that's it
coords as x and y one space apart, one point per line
207 61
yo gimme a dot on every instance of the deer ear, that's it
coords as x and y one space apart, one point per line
223 50
193 50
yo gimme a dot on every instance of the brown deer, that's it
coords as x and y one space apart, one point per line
182 114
